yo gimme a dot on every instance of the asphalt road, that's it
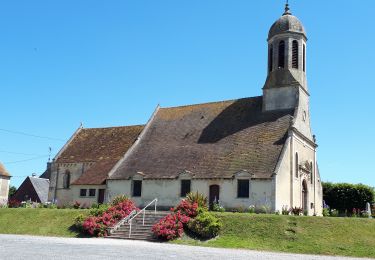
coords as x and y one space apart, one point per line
30 248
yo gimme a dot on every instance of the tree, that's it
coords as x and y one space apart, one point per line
12 191
346 197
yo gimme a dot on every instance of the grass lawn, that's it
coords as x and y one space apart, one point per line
40 222
308 235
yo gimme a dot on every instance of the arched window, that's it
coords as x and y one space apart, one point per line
270 58
281 63
295 54
297 165
312 172
66 180
304 57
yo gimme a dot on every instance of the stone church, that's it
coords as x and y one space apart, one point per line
252 151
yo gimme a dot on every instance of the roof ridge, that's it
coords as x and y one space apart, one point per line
212 102
108 127
36 177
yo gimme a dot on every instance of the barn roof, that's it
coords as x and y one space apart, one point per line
41 187
211 140
102 146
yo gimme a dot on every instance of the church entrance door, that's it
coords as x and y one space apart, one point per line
304 196
214 194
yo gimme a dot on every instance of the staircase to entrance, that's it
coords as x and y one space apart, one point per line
138 224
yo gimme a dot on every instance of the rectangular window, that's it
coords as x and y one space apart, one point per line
243 188
137 188
82 192
92 192
185 187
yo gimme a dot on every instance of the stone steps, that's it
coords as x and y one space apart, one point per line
140 231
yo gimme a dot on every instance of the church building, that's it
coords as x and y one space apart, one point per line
252 151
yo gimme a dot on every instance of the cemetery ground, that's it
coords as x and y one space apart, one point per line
292 234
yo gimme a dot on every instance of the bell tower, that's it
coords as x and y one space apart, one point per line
286 62
286 84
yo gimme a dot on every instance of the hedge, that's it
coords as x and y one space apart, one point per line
346 197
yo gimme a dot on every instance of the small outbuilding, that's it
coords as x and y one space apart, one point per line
33 189
4 184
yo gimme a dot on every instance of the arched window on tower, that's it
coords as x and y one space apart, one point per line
297 165
281 61
304 57
66 180
270 58
295 54
312 172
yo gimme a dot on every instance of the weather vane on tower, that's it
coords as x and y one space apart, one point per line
287 10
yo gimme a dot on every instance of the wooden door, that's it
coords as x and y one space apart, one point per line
304 197
101 196
214 194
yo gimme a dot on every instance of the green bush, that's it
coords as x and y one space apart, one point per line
345 197
326 212
334 213
217 207
99 210
205 225
78 222
95 205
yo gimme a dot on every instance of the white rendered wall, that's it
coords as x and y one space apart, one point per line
4 189
86 201
168 192
283 179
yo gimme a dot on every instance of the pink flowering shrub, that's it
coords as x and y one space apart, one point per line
97 225
187 208
172 225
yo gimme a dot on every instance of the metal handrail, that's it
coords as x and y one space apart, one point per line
139 212
122 221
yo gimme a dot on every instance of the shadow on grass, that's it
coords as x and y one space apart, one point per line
191 235
79 232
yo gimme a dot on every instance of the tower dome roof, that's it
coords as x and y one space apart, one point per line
3 171
287 23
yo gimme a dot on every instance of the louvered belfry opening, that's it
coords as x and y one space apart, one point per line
304 57
270 58
295 55
281 54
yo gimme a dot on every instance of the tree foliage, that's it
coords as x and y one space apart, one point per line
346 197
12 191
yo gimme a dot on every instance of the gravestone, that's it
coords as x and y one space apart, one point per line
368 210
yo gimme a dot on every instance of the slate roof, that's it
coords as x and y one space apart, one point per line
286 23
46 174
211 140
41 187
102 146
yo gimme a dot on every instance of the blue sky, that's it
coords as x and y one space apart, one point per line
109 63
